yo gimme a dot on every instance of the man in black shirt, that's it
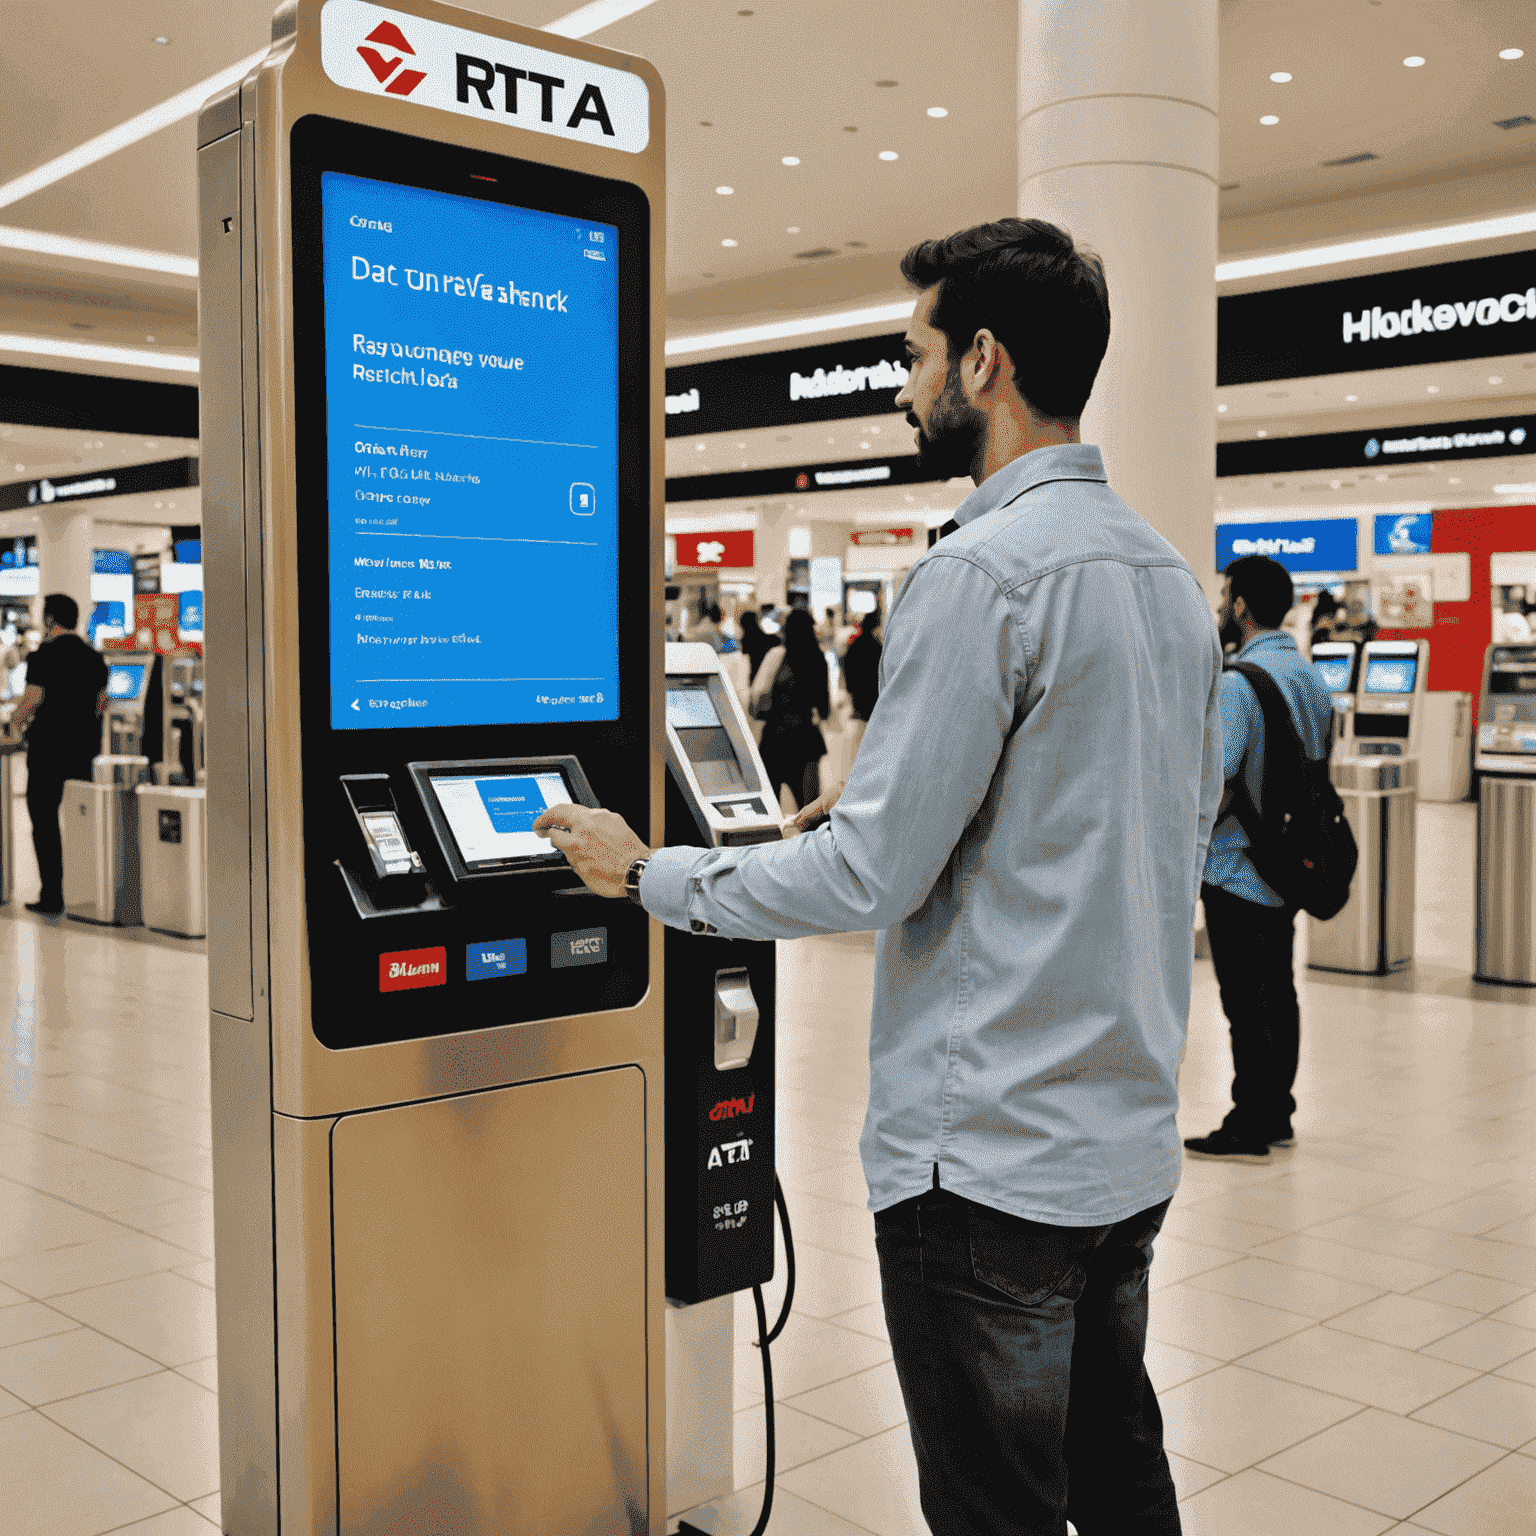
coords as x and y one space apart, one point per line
61 708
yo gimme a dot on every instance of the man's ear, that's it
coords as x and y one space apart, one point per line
1239 608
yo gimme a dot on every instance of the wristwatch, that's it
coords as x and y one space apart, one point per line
632 879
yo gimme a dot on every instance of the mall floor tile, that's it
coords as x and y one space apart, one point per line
1343 1340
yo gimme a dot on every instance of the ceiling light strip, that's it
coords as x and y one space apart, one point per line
879 314
1378 245
172 110
43 244
97 352
587 19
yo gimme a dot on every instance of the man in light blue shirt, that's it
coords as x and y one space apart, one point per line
1250 928
1025 824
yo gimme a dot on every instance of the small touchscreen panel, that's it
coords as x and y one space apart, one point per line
690 709
1390 674
1335 672
125 682
491 815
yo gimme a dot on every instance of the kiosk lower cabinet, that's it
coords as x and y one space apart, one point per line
431 323
1506 817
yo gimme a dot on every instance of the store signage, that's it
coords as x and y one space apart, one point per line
1402 533
1379 447
164 475
731 547
881 536
858 475
388 53
1485 307
777 389
1316 544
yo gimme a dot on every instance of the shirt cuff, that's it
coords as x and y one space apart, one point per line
666 885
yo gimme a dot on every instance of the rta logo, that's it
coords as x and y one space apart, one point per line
728 1109
388 35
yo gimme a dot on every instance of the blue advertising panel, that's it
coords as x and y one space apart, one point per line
1312 544
472 436
1402 533
190 611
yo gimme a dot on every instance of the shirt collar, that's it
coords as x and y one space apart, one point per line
1060 461
1278 636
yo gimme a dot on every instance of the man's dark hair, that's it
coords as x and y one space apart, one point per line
62 609
1265 585
1042 296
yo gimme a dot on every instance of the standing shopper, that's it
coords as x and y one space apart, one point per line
1250 928
61 707
792 685
1026 822
861 677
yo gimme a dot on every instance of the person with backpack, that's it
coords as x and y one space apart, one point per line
1250 925
790 696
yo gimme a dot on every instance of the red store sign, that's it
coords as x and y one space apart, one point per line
732 548
864 536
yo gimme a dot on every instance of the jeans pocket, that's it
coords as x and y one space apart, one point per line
1028 1260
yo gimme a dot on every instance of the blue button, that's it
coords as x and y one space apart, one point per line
501 957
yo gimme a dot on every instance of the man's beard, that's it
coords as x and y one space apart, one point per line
951 444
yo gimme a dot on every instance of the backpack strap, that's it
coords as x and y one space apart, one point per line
1278 724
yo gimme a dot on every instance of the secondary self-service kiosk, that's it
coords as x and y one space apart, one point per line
431 328
1389 697
1377 777
1338 663
720 1177
1506 816
129 676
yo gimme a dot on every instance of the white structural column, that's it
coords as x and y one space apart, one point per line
65 554
1118 143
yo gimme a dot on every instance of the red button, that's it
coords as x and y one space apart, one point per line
406 968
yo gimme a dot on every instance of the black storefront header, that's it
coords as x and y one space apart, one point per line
1379 447
163 475
1485 307
799 480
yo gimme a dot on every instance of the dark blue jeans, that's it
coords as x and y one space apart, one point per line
1019 1351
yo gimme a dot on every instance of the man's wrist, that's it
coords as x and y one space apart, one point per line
632 876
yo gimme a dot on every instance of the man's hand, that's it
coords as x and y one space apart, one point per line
599 844
817 811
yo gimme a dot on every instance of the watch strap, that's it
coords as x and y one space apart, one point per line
632 878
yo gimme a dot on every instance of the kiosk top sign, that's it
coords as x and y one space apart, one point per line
373 49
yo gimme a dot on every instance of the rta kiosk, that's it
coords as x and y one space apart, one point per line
1388 699
431 326
129 676
1338 663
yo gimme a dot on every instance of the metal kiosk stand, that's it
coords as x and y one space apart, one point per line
436 1059
1378 783
1506 817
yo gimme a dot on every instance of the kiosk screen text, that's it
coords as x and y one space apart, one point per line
472 439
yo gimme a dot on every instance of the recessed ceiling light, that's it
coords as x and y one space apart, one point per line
725 191
1432 389
938 111
1494 378
701 446
164 40
792 229
875 430
1221 407
728 243
1351 397
831 439
790 160
1381 477
1280 77
1511 53
1454 480
889 154
863 445
1413 61
1263 433
1269 120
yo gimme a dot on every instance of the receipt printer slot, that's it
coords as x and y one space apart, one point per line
384 858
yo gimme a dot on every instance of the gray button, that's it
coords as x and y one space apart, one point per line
581 946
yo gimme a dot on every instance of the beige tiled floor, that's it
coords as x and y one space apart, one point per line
1344 1343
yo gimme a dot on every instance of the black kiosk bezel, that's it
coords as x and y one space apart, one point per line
614 755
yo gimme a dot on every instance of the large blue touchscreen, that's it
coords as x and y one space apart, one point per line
471 374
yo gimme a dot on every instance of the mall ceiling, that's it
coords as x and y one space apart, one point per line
833 85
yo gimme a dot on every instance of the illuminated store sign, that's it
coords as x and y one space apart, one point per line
1315 544
1377 448
166 475
1450 312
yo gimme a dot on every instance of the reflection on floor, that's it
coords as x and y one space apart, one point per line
1344 1343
